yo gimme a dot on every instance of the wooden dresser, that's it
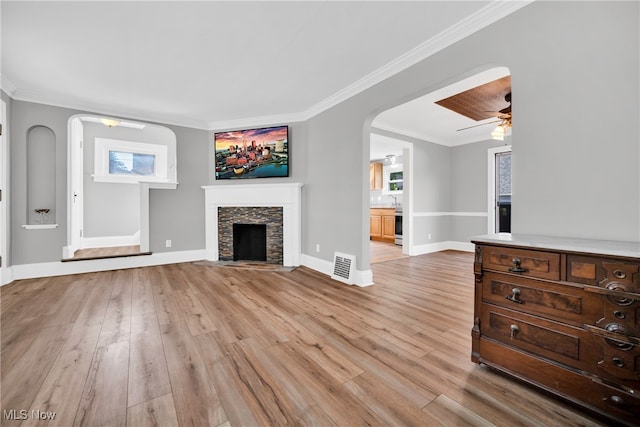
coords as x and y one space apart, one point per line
563 315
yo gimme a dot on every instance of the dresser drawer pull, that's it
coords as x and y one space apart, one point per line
616 400
515 296
617 298
616 335
618 362
619 314
516 266
514 331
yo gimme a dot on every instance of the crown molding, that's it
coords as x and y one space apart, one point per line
427 138
416 135
7 86
256 121
484 17
100 109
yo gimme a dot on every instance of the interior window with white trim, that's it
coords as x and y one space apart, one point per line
129 161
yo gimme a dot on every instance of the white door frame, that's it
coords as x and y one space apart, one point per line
4 185
491 186
75 192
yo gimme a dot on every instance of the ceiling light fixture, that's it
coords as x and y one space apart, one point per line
501 130
498 133
109 122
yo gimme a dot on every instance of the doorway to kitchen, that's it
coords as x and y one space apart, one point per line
389 197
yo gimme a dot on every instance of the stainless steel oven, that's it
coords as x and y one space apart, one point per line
398 238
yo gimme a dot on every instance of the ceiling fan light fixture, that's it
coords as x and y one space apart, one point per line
109 122
498 133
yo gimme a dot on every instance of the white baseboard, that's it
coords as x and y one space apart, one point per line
45 269
32 271
360 277
110 241
441 246
7 276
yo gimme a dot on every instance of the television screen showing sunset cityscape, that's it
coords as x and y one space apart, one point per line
252 153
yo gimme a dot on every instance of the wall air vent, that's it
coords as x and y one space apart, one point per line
343 267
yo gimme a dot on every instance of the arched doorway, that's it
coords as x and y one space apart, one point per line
107 204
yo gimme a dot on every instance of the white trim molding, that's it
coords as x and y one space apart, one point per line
46 269
285 195
110 241
361 278
492 12
423 214
442 246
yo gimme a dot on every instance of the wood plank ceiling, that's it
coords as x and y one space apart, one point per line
481 102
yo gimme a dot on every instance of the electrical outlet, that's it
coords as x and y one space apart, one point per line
429 236
317 247
167 243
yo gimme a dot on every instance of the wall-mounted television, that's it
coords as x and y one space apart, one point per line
252 153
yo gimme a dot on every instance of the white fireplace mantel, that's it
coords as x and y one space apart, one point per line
285 195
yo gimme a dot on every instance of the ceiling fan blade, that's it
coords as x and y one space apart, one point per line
481 124
500 114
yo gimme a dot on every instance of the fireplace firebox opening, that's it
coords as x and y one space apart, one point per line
249 242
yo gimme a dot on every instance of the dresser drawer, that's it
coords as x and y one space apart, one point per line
621 275
543 265
618 403
559 301
541 337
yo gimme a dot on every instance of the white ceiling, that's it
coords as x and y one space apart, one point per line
215 65
422 118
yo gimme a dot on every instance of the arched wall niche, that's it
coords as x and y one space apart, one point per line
41 175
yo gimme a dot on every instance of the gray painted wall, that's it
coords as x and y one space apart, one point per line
577 174
185 203
469 189
574 68
469 175
573 59
178 215
109 209
33 246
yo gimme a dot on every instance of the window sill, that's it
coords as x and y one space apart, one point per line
161 185
125 179
39 226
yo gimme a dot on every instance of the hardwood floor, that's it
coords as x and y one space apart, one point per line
109 252
383 251
190 344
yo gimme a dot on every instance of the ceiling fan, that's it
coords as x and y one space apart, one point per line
504 120
481 102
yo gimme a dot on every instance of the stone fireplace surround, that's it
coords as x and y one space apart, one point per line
269 216
286 196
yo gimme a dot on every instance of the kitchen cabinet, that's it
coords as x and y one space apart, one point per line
562 315
375 176
382 224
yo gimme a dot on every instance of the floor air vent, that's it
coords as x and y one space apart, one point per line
343 267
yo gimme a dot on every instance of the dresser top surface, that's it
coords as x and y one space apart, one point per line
568 244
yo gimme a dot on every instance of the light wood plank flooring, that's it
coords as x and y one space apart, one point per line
197 345
109 252
383 251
